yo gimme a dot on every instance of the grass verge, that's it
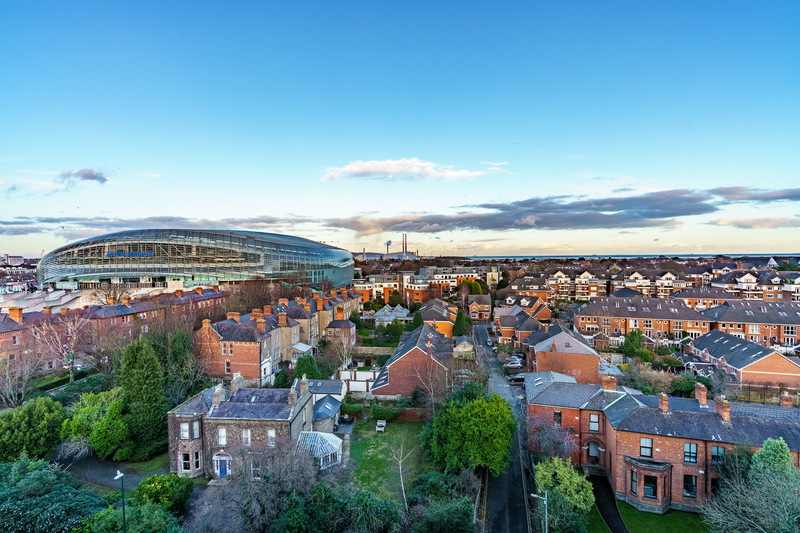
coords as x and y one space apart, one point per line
670 522
151 465
596 524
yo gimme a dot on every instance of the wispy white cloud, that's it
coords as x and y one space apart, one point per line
408 169
491 164
758 223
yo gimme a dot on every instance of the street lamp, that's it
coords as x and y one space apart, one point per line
121 477
545 507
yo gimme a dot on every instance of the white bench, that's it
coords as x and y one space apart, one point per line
381 425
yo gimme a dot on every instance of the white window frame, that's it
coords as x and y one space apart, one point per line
246 436
196 429
271 437
222 436
184 430
186 462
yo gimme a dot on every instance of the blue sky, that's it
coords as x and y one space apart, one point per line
478 129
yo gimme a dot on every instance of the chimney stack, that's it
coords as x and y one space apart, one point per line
267 309
64 311
126 300
256 314
216 396
301 301
339 313
291 396
430 344
45 310
304 385
199 290
663 402
15 314
333 293
320 304
307 307
609 383
179 293
282 320
283 301
236 316
701 393
786 400
206 323
723 407
236 382
261 324
111 300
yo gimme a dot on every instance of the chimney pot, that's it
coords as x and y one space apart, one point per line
15 314
723 407
701 393
785 400
663 402
609 383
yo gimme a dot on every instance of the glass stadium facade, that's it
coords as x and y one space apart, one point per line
155 256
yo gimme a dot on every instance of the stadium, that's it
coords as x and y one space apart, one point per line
159 257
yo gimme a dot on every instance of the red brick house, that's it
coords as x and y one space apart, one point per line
479 306
561 350
657 451
418 361
764 323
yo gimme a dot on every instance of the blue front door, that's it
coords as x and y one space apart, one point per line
223 467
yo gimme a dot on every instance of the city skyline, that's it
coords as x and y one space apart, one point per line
574 129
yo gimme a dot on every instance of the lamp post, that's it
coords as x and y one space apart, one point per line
121 477
545 507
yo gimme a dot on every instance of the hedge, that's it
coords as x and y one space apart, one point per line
352 408
384 413
80 374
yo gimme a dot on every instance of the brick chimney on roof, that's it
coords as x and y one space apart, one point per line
15 314
723 407
261 324
64 311
216 396
307 307
255 314
283 301
701 393
333 293
236 316
199 290
609 383
267 309
304 385
320 304
291 398
301 301
179 293
237 382
216 288
126 300
785 400
339 313
282 320
206 323
45 310
663 402
111 300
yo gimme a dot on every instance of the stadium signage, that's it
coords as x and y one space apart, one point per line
129 254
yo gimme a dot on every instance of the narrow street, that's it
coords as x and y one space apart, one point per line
506 499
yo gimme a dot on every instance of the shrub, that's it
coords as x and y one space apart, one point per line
170 491
384 413
352 408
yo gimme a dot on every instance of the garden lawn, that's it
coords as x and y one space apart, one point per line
156 465
596 523
375 470
671 522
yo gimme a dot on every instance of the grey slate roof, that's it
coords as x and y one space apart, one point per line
326 407
480 299
737 352
755 312
442 349
536 382
625 293
200 403
321 386
571 395
255 404
704 292
643 308
566 340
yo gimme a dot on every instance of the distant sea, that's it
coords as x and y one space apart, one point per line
629 256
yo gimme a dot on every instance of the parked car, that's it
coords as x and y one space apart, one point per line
494 349
515 366
516 379
488 342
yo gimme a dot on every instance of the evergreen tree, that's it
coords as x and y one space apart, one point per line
282 380
307 365
417 322
33 427
144 402
460 326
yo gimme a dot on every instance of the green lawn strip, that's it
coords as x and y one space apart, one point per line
670 522
371 452
596 523
145 467
108 494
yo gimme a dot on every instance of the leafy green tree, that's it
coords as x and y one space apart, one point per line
370 514
394 330
282 380
307 365
556 475
144 402
787 266
170 491
395 299
97 418
33 427
146 518
473 434
293 519
460 327
417 322
355 318
634 346
763 497
446 516
36 497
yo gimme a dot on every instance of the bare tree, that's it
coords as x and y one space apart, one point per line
399 455
341 347
547 440
109 293
16 374
63 338
433 379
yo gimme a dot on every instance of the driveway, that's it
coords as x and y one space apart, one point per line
102 472
506 496
607 504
